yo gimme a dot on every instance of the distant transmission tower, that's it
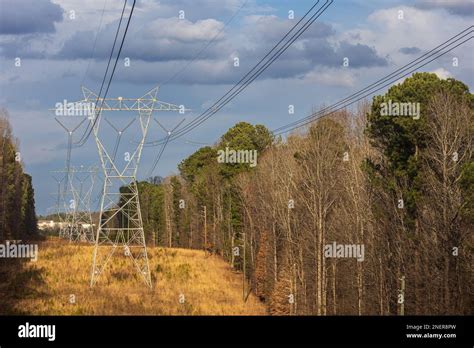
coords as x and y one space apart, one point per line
74 203
70 133
62 210
120 220
82 227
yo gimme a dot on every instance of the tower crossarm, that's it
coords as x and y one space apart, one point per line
147 102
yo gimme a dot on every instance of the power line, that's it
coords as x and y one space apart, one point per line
163 146
97 114
436 52
394 76
79 143
216 107
378 82
89 129
256 71
177 73
70 134
197 143
95 42
119 135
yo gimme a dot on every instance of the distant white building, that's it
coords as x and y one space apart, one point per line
42 224
45 224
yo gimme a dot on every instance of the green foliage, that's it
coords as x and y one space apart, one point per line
243 136
399 136
17 204
401 139
28 216
191 166
203 182
152 202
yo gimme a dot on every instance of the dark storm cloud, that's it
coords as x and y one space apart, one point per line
164 45
28 16
409 50
16 46
360 56
321 52
272 28
182 41
314 45
457 7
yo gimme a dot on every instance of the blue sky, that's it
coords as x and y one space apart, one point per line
55 49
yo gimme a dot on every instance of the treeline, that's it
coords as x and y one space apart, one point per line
17 203
399 188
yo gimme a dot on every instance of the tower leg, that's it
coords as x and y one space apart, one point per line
120 231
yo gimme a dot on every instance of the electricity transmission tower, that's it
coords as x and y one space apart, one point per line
66 214
74 195
62 210
82 228
120 221
70 134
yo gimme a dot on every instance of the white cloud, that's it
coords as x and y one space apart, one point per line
184 30
331 77
422 29
442 73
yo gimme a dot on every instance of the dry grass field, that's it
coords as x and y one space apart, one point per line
58 284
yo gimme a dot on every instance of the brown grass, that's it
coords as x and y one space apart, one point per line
208 283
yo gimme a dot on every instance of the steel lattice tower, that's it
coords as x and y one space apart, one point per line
62 210
82 229
76 222
120 221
